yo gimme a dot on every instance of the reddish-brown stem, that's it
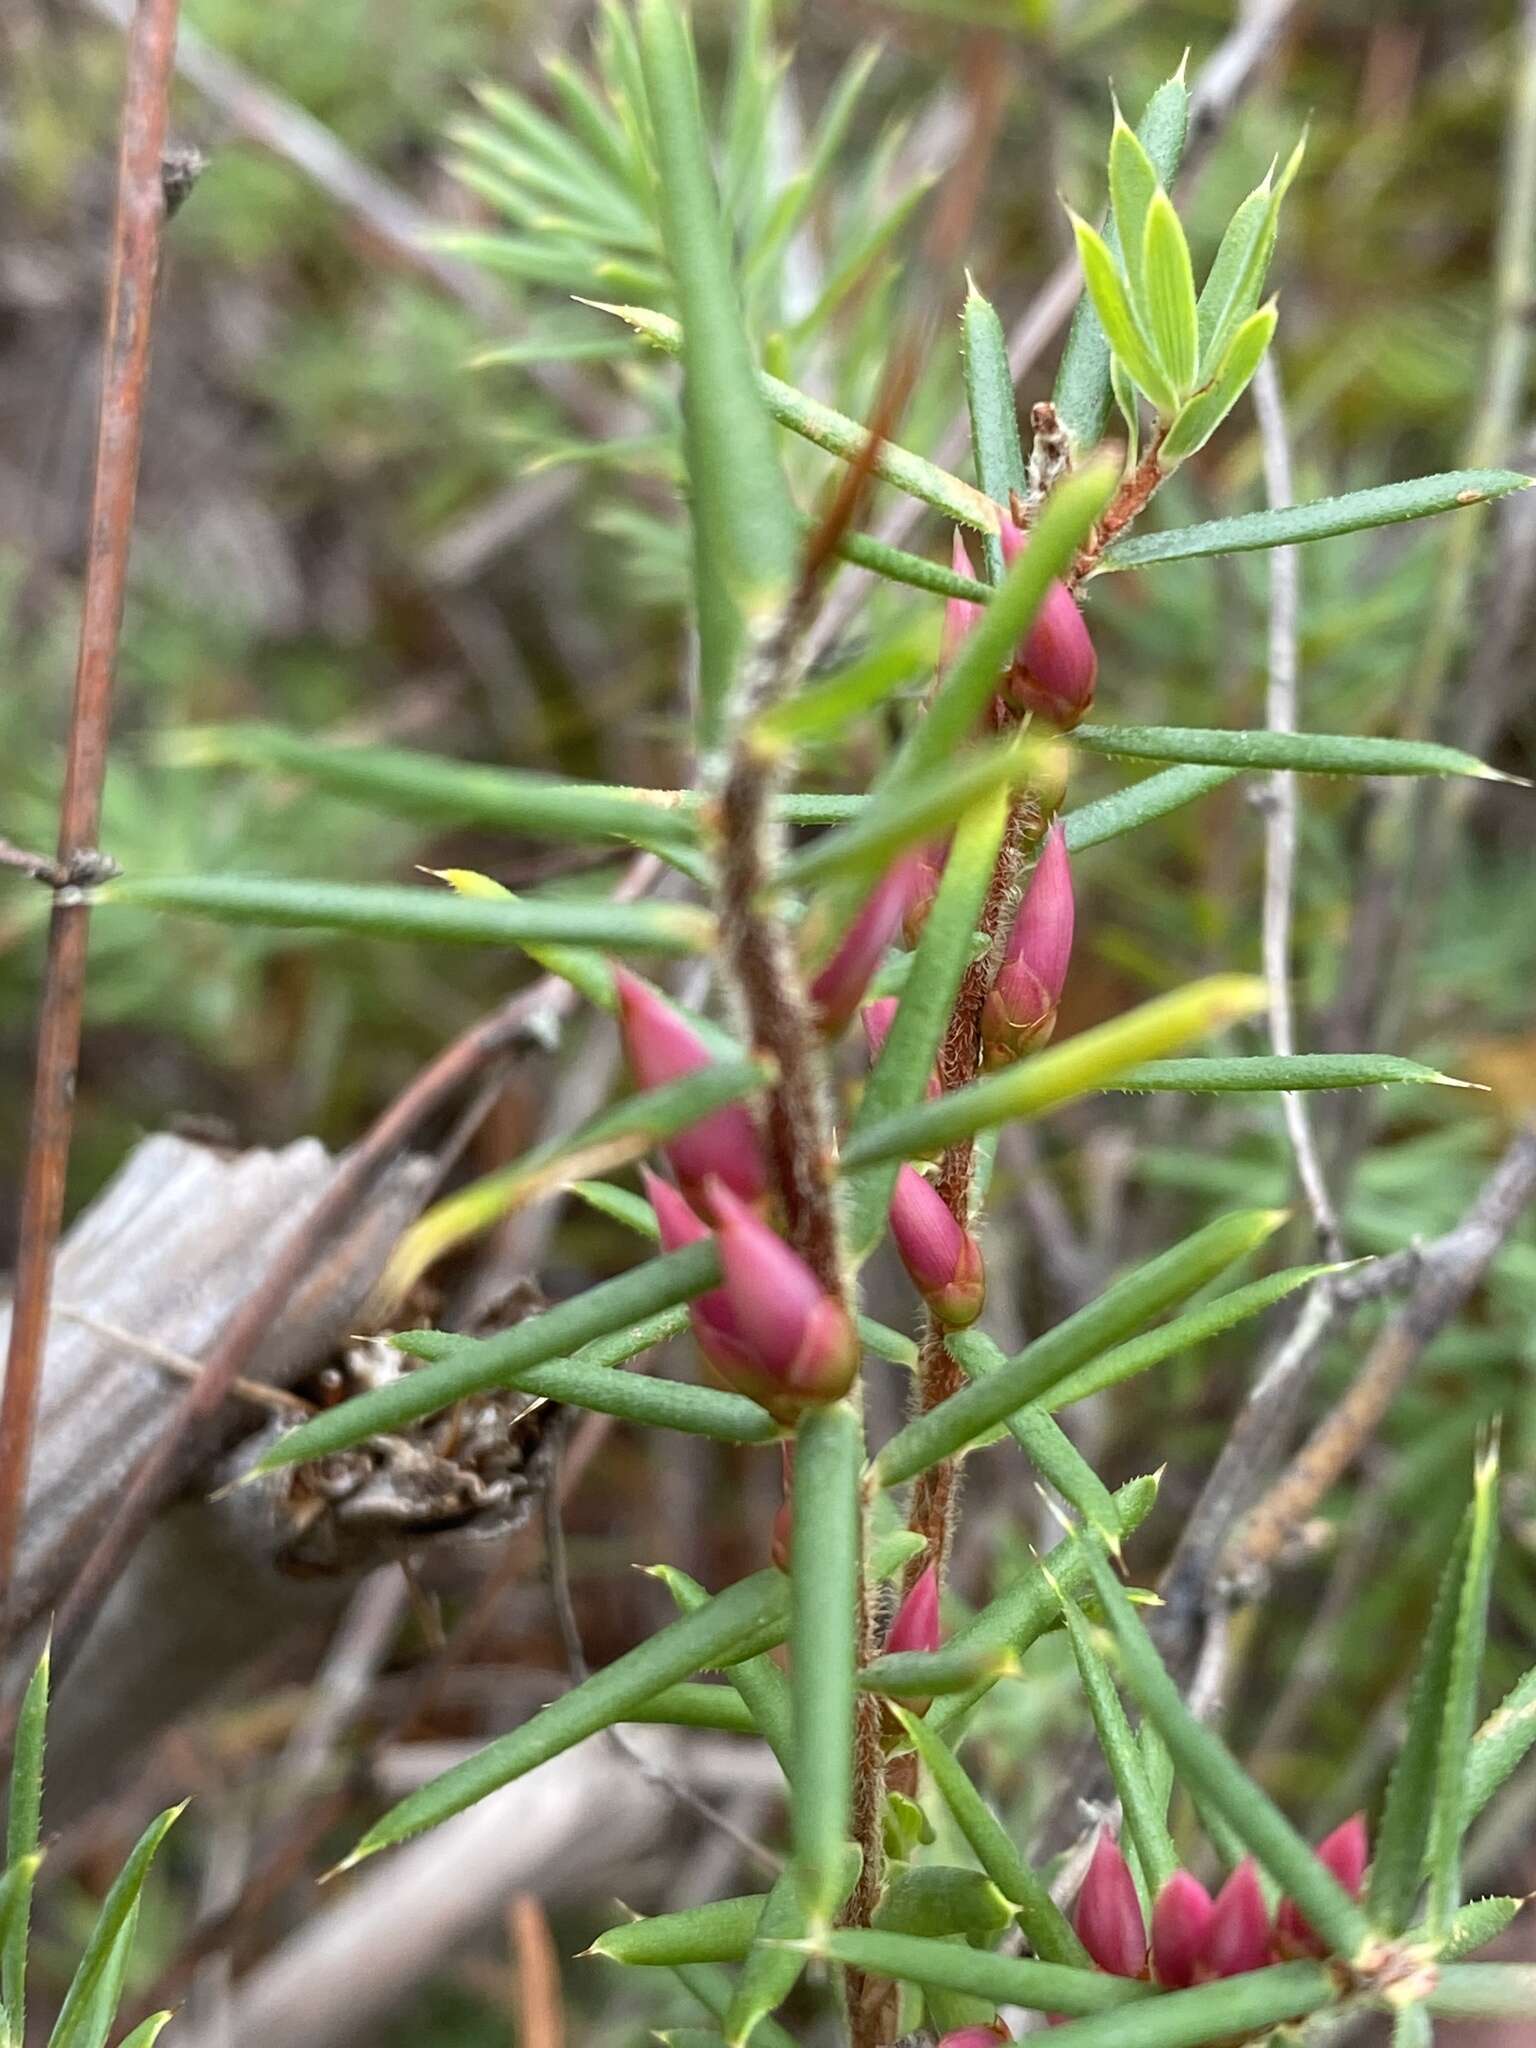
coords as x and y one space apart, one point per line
125 370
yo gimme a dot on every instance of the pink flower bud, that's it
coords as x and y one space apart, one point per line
711 1316
960 615
943 1260
1020 1010
916 1626
1054 672
1345 1852
794 1346
976 2037
1108 1916
837 988
877 1018
1238 1936
660 1047
1181 1918
924 887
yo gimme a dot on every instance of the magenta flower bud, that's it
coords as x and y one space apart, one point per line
916 1626
1345 1852
837 989
976 2037
711 1316
960 615
1238 1937
942 1260
1020 1010
660 1047
1054 672
877 1018
793 1346
1181 1919
1108 1915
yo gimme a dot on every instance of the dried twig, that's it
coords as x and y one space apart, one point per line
1339 1438
1281 707
125 370
525 1020
539 2003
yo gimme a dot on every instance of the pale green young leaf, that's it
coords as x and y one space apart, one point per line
744 532
1129 407
1045 1926
1086 1062
1420 497
1133 181
1117 317
1226 280
1459 1713
823 1611
1205 411
1241 283
1166 301
1208 1766
1126 1307
744 1620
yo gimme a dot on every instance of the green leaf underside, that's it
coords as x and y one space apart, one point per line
1307 752
1382 505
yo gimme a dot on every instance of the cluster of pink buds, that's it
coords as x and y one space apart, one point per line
1196 1938
1020 1010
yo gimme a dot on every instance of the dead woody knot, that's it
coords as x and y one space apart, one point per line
85 868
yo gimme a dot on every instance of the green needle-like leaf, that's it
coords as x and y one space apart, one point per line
117 1910
1473 1926
720 1932
1108 817
757 1681
147 2032
1397 1862
1122 1310
1045 1926
698 1706
744 532
1459 1717
1265 1072
744 1620
396 913
899 1078
1474 1991
1420 497
824 1597
773 1969
918 1959
1210 1769
1047 1446
472 1367
994 413
23 1828
1167 293
941 1899
1090 1060
1312 753
1500 1744
1144 1820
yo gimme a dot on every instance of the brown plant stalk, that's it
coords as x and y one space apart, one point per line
139 217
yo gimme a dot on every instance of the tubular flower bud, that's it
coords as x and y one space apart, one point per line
960 615
793 1346
1238 1937
1181 1919
1020 1010
1108 1915
1345 1852
877 1018
836 990
1054 672
711 1316
924 887
916 1626
943 1260
660 1047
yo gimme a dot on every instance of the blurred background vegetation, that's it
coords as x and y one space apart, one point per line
348 531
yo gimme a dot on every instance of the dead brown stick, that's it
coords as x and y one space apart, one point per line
125 373
1342 1434
524 1019
539 2004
